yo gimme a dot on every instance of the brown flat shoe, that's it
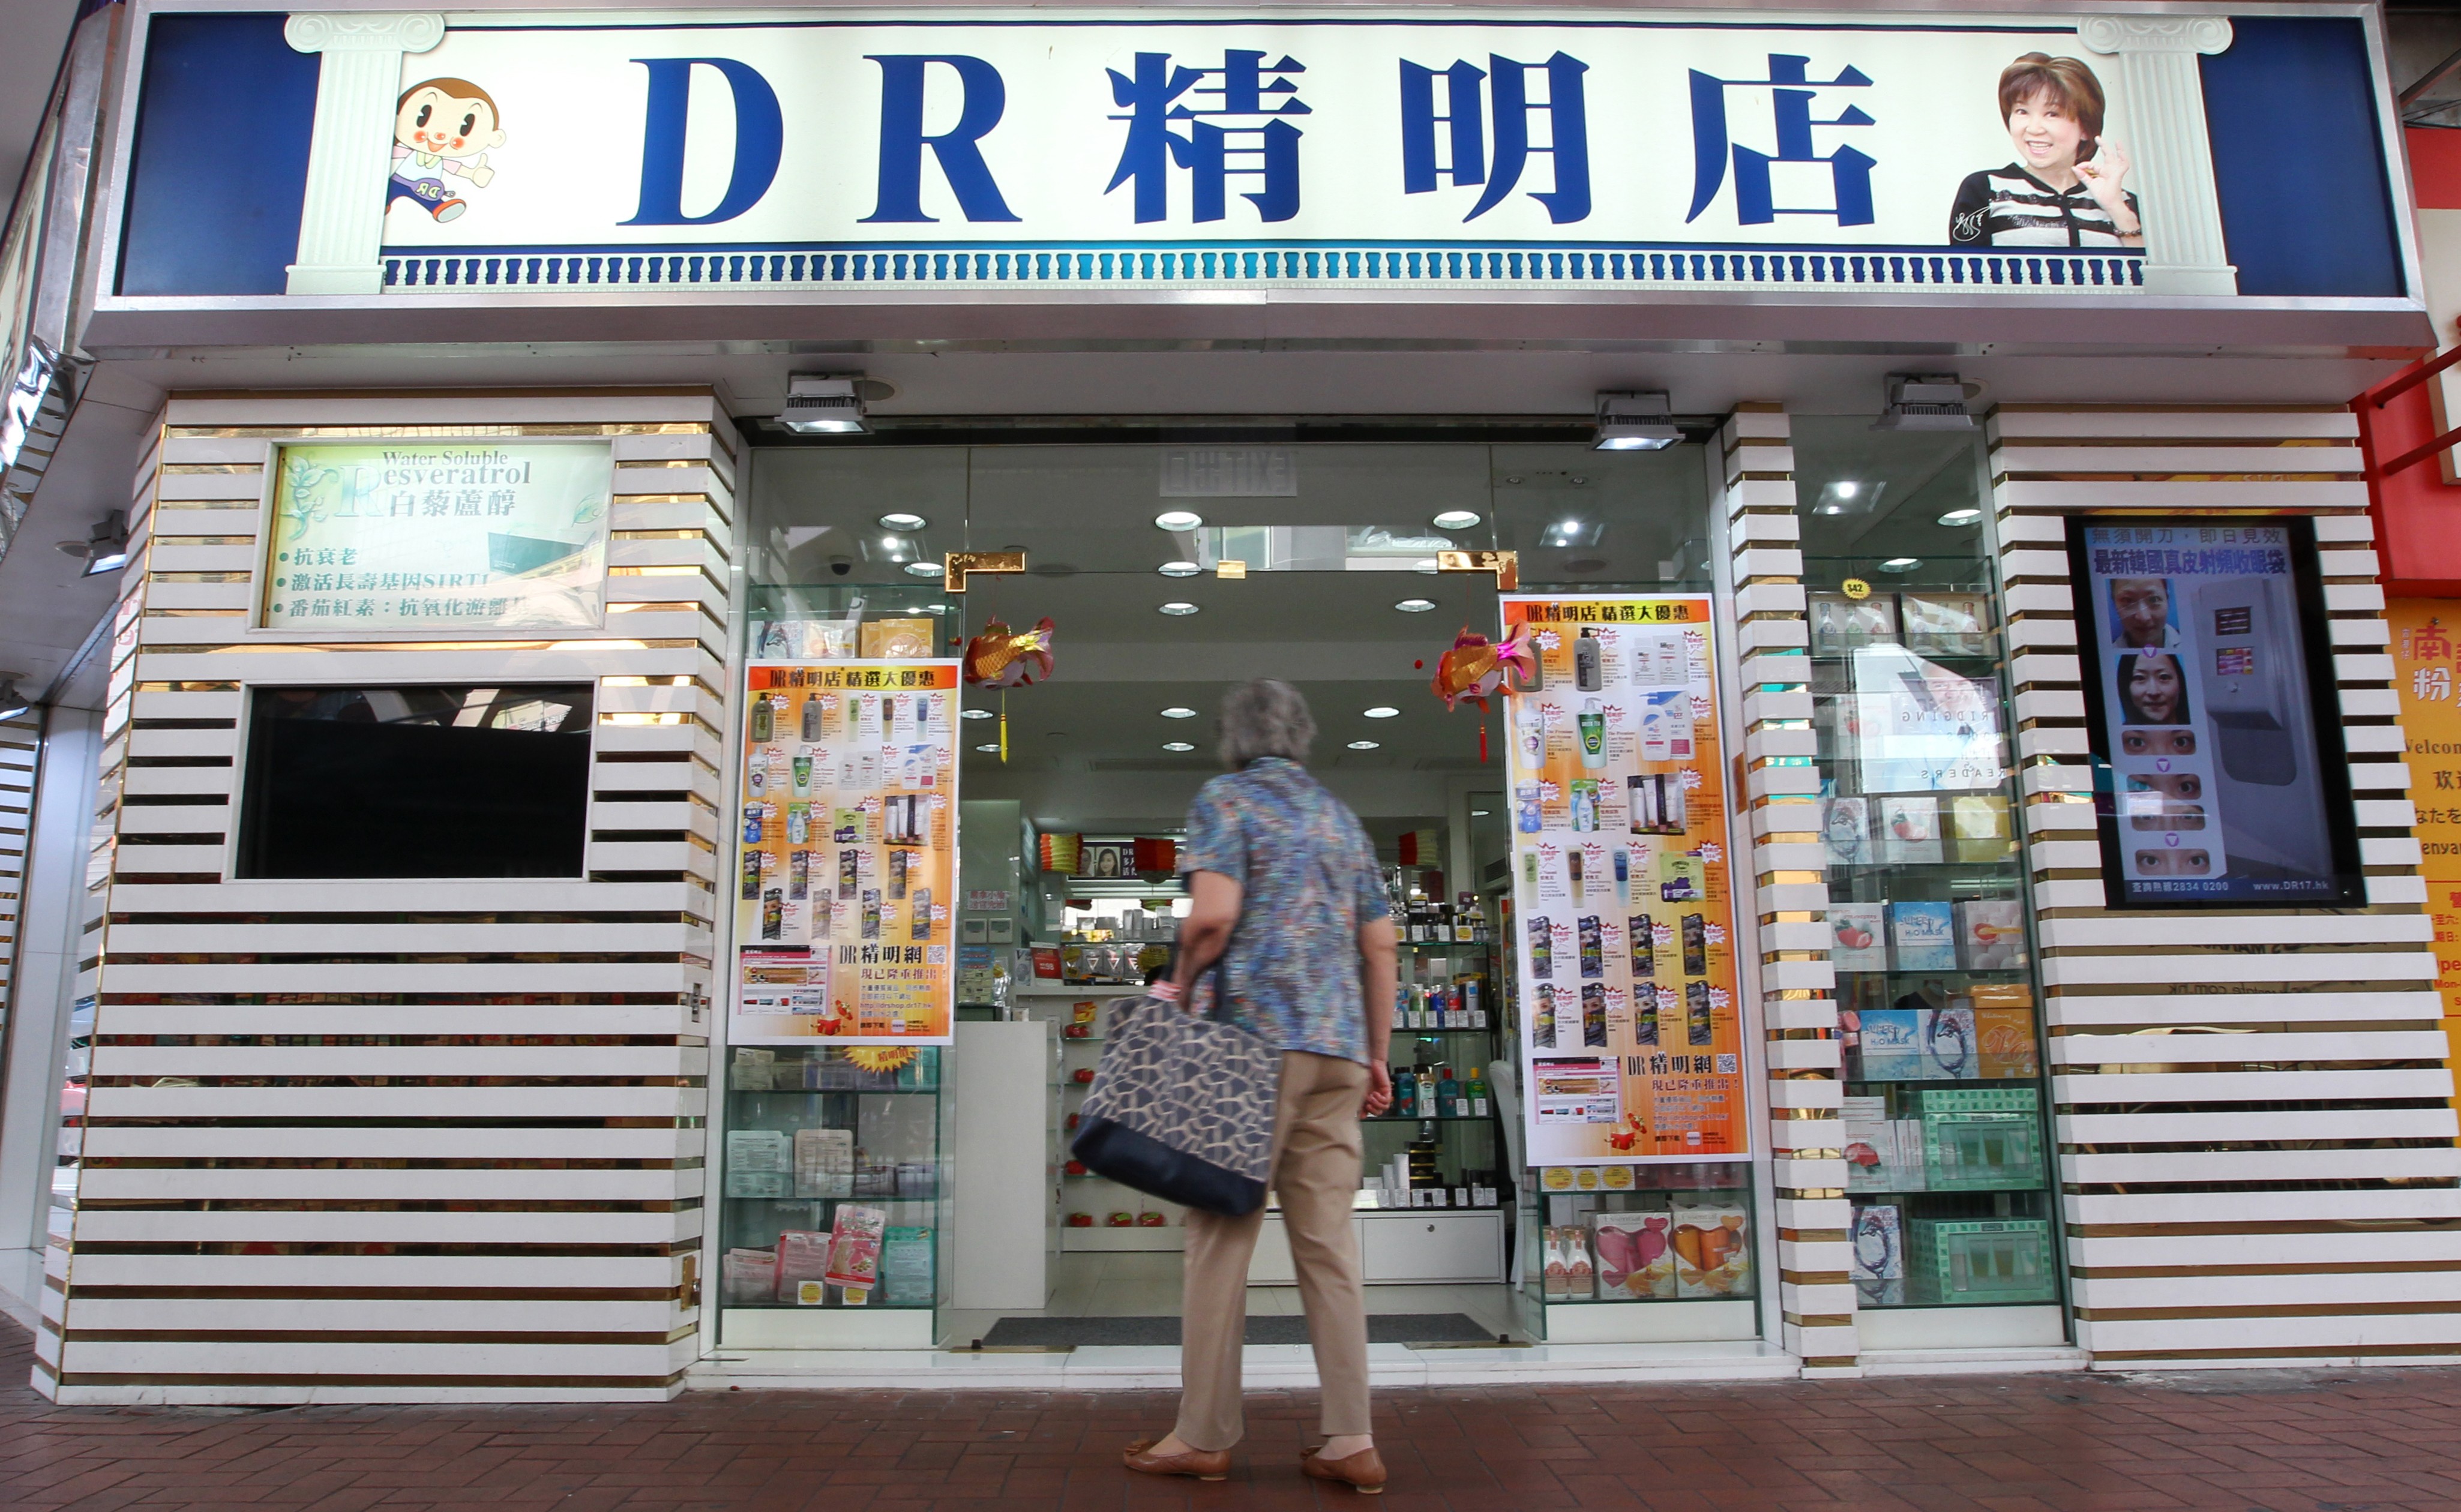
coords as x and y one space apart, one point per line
1213 1464
1363 1471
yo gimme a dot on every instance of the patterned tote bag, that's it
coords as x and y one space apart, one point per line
1181 1107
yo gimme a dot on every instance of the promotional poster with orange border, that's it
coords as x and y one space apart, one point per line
2427 664
1630 1032
846 846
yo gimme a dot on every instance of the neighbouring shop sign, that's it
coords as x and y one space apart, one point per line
1623 912
846 854
2208 701
2427 663
451 535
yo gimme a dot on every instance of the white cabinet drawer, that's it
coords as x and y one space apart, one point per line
1433 1246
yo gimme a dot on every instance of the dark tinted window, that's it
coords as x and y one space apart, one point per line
373 782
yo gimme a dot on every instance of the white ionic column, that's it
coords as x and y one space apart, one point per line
2168 146
341 217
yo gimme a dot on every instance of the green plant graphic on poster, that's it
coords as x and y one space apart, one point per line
466 535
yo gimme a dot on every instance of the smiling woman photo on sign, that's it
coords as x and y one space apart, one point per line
2152 690
2068 186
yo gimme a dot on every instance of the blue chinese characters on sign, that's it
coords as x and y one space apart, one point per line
1790 93
1237 126
1500 114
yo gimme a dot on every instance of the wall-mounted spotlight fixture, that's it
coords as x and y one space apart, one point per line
823 404
1635 422
106 548
1927 401
12 703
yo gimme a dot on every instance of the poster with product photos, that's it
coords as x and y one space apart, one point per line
2208 691
847 844
1623 947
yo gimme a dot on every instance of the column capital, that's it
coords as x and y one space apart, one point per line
363 31
2154 33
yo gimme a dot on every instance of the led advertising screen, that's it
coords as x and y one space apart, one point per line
2209 688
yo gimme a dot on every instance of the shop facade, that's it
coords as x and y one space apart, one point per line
567 916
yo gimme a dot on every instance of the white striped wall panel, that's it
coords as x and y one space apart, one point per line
2256 1150
19 739
399 1140
1798 986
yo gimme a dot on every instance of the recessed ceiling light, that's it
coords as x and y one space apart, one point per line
1177 745
1363 745
1455 519
1179 606
1961 517
900 521
1178 569
1571 531
1901 564
1383 711
1179 712
974 714
923 569
1415 606
1178 520
992 746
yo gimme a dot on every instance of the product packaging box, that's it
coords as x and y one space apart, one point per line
824 1162
1908 829
1879 1254
1846 828
1948 1049
1982 1139
748 1277
802 1268
1713 1253
1859 939
759 1162
1906 1156
1636 1255
1981 1260
1889 1045
1922 937
2003 1030
1978 829
1991 934
1863 1124
854 1247
1840 624
1571 1276
905 1267
1946 623
897 640
750 1069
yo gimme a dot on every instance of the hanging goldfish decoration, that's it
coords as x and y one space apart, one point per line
1000 657
1477 667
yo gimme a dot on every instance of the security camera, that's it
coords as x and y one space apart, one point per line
840 567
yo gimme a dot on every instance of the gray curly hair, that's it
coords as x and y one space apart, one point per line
1263 718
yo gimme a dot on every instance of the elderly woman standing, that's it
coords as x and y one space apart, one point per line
1289 899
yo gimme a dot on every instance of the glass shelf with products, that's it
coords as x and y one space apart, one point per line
1441 1146
1614 1234
833 1178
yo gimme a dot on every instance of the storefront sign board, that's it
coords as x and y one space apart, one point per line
477 535
2425 665
1630 1036
846 846
2209 698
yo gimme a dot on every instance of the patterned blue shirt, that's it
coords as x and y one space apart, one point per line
1309 882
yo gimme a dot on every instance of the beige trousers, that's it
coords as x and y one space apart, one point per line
1314 1171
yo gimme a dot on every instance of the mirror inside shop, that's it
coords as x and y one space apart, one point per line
1147 580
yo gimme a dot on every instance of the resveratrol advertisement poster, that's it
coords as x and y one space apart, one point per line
1623 920
846 854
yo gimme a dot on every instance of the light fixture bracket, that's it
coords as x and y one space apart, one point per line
1927 401
1505 565
824 404
956 564
1635 422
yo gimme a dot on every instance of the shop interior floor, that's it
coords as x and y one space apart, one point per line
1383 1328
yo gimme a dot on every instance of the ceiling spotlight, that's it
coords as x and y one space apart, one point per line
1570 532
1178 569
974 714
106 548
1177 745
901 521
1961 517
1179 606
1927 401
819 404
1383 711
989 747
1364 745
1901 564
1179 712
1455 519
12 703
924 569
1176 521
1634 422
1415 606
1848 495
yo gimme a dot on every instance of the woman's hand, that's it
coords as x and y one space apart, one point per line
1379 1092
2105 176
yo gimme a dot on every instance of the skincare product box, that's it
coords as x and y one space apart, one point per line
824 1162
1863 1124
1636 1254
1879 1264
1889 1045
759 1162
1713 1256
1991 934
1908 829
2003 1030
802 1268
1948 1047
1858 938
1922 937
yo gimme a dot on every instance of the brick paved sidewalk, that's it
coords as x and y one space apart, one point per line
2303 1441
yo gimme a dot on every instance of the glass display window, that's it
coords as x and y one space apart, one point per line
1945 1132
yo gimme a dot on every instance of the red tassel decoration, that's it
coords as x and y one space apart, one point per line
1482 742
